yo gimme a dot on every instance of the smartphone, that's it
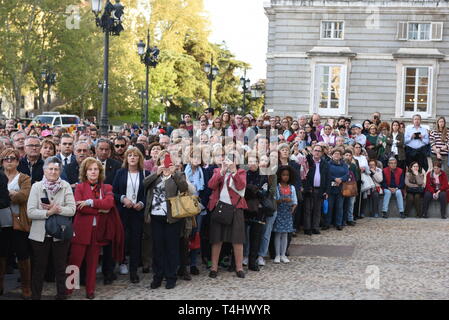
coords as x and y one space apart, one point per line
417 135
167 161
45 200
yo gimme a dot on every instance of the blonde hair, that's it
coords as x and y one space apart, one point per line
138 153
86 164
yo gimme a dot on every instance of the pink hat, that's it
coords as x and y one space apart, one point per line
47 133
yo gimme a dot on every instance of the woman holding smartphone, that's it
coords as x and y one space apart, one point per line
228 186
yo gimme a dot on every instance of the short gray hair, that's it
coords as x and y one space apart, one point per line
51 160
18 132
31 137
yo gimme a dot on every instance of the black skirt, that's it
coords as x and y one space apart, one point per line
233 233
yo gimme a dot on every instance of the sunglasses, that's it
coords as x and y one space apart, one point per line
120 145
9 159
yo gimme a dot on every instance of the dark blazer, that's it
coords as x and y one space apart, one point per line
5 201
71 172
112 166
400 145
324 175
37 168
119 188
72 158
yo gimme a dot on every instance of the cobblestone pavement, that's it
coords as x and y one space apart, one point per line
412 256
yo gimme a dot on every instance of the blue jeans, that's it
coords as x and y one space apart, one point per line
399 200
263 251
335 209
348 209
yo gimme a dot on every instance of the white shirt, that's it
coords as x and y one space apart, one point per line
63 159
14 186
224 194
394 147
132 187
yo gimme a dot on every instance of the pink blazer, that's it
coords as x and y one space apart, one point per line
216 185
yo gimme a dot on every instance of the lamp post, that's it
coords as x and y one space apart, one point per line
111 24
49 79
149 58
245 83
212 72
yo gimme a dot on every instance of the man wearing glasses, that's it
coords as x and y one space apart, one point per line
315 190
18 140
70 173
66 154
120 146
32 164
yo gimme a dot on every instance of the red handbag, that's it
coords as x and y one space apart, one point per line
195 242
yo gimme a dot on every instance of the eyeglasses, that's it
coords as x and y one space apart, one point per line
82 150
9 159
33 145
120 145
19 139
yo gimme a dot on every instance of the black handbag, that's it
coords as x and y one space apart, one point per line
415 189
223 213
268 206
59 227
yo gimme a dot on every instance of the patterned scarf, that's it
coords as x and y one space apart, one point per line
52 187
96 190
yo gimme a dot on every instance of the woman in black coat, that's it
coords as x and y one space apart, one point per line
129 196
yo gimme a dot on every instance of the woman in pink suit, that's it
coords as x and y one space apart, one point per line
94 201
228 185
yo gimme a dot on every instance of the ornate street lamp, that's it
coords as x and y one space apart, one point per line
149 58
49 79
212 73
111 24
246 84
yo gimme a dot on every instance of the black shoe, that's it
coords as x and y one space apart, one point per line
90 296
194 270
253 267
351 223
107 281
294 234
146 270
443 217
170 285
402 215
240 274
425 217
339 228
384 215
325 228
186 276
134 278
316 231
213 274
155 284
361 217
308 232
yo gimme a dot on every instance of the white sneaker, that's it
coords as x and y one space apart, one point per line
245 261
123 269
277 259
284 259
261 261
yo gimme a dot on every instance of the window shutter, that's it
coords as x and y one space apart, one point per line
437 31
402 31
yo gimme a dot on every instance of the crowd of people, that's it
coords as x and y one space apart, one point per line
275 176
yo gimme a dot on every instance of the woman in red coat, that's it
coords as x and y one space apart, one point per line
94 201
436 189
228 186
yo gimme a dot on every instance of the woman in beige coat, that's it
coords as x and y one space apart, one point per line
62 202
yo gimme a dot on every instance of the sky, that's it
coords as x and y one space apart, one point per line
242 24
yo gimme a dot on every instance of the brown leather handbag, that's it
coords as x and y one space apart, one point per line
349 188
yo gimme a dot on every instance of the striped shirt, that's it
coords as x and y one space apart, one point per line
436 141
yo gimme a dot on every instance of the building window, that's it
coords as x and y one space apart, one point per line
332 29
330 92
419 31
417 90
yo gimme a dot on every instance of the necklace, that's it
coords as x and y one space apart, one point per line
133 184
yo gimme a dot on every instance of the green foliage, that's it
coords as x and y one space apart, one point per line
34 37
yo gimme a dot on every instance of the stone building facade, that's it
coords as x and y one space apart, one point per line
355 57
